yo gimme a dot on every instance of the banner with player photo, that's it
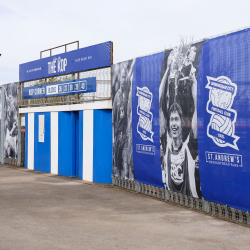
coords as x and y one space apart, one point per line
164 144
10 121
224 120
181 120
178 120
122 75
145 121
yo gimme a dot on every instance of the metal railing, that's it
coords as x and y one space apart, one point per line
103 92
103 89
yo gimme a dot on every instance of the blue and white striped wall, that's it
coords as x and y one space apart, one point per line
76 142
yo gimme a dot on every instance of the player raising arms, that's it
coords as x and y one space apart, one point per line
178 118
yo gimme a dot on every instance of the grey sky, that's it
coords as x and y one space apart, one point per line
136 27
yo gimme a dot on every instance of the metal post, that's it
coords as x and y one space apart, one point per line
78 95
19 128
2 125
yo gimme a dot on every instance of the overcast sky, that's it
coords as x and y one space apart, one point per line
135 27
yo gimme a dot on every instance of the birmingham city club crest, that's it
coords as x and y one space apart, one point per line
221 127
144 126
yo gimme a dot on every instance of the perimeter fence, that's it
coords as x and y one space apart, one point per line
214 209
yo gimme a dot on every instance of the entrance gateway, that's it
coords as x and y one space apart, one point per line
66 102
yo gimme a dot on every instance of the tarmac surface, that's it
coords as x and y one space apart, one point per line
38 211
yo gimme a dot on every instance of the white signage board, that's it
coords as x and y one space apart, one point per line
41 128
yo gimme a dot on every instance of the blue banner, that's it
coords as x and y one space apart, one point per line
223 117
72 87
96 56
145 120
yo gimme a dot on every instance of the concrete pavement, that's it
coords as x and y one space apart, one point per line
42 212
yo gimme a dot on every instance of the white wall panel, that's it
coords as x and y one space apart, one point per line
88 145
54 142
31 141
82 106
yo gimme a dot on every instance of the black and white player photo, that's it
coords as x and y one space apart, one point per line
11 121
178 120
122 75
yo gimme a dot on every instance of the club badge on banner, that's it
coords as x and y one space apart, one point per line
223 118
145 120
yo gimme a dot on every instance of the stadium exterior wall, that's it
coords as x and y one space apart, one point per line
76 140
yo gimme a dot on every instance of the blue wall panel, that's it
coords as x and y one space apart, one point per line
77 143
26 140
66 143
102 158
42 150
73 136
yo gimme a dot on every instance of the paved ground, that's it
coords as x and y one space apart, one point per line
41 212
